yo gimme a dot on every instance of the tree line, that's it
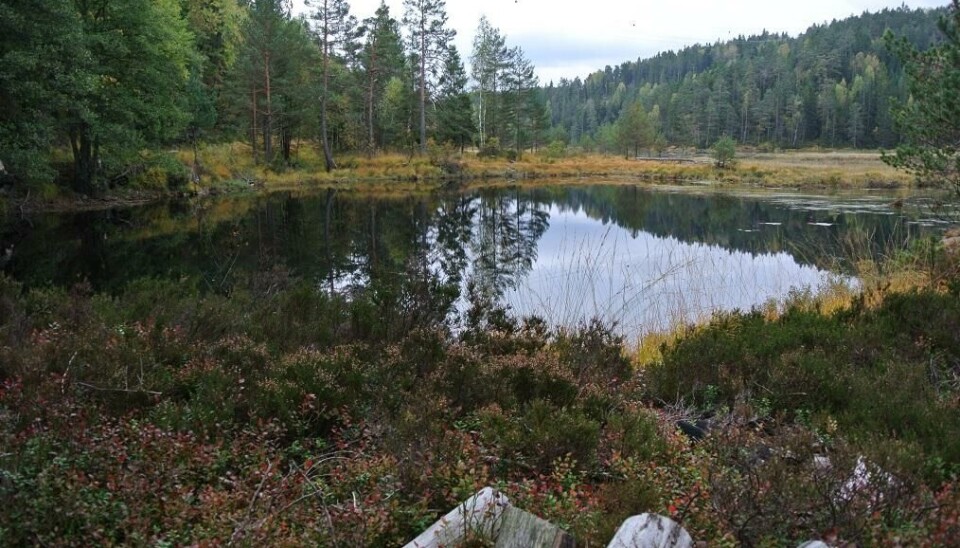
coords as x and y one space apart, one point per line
830 86
87 86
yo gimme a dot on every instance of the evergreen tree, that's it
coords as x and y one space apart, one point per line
831 84
216 26
426 23
335 29
930 121
296 85
273 85
44 73
381 59
520 84
262 48
539 118
454 111
634 130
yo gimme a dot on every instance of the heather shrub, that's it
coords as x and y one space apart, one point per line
275 413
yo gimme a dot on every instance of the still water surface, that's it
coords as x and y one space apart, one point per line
641 257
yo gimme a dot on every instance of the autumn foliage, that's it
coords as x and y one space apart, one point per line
280 415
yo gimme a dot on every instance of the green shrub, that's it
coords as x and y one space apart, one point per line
724 152
904 350
160 172
490 149
556 150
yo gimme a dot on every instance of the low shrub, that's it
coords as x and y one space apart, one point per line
272 412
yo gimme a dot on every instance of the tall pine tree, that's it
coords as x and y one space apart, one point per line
426 23
335 29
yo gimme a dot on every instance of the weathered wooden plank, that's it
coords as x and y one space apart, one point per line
651 531
519 529
478 515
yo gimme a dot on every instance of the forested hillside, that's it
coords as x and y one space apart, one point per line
94 95
831 86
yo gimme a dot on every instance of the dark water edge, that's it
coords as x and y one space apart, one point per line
629 254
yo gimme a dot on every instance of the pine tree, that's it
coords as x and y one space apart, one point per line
520 82
262 48
634 129
381 59
930 122
336 32
426 23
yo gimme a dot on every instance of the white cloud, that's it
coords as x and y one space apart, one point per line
568 38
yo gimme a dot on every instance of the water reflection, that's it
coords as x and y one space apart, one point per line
631 254
644 281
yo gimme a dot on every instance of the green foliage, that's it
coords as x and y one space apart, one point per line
160 172
556 150
163 414
520 107
490 149
929 122
429 37
454 111
36 82
830 86
832 366
381 61
634 130
121 91
724 152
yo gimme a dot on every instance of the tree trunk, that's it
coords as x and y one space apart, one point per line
253 128
84 159
519 115
268 115
480 113
423 86
286 142
330 164
371 87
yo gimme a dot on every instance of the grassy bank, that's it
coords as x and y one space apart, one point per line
228 168
274 413
840 169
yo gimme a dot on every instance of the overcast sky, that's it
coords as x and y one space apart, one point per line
567 38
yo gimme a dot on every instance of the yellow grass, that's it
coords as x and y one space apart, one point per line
226 163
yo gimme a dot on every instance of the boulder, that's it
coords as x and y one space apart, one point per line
651 531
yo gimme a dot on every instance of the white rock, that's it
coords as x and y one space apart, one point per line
651 531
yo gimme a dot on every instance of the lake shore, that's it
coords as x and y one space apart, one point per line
263 406
284 415
229 169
